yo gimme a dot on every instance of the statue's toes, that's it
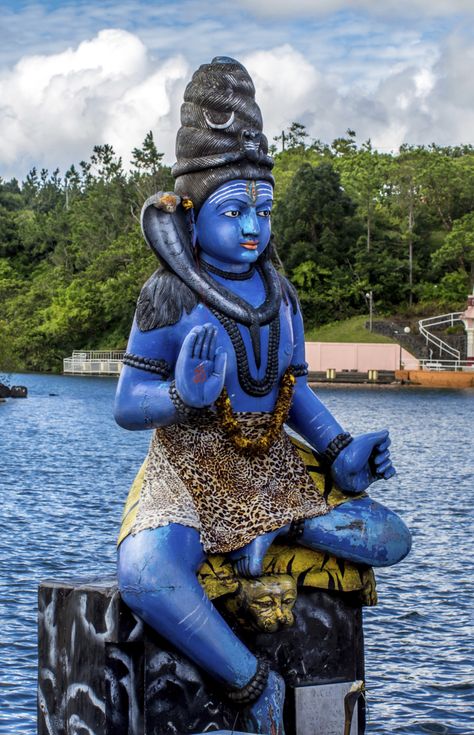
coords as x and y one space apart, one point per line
241 567
246 566
255 567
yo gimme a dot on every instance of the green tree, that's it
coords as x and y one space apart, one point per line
457 252
347 220
447 179
345 146
317 221
293 137
364 175
150 175
408 200
315 232
147 158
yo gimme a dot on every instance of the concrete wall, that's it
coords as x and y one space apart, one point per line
357 356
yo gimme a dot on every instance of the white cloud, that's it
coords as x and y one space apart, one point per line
109 89
286 84
54 108
429 98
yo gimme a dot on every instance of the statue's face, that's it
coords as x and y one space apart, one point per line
267 603
233 224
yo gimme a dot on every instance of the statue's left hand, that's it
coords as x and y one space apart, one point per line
365 460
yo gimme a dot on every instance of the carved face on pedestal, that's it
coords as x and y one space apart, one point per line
264 604
233 225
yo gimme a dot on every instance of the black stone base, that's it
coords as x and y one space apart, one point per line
102 672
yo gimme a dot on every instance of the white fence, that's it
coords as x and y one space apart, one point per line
95 362
441 365
443 320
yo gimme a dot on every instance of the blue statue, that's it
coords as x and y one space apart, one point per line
215 364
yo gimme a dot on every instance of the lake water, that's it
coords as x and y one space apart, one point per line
65 468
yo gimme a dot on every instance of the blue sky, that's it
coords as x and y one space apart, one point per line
76 74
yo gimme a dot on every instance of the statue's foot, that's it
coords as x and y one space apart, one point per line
265 715
248 561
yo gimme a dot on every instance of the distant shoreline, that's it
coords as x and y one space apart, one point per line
324 385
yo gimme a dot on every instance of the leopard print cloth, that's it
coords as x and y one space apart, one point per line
195 476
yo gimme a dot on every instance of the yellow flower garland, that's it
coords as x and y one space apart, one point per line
231 427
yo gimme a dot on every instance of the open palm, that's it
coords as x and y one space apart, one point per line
200 367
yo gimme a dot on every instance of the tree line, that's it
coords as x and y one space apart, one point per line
348 219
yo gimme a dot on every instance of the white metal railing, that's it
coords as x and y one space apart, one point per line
424 325
94 362
98 354
440 365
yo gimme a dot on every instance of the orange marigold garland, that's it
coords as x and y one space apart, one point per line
231 426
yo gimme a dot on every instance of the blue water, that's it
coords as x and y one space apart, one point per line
65 469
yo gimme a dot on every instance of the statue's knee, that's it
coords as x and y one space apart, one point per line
396 541
404 539
129 579
157 561
138 568
131 597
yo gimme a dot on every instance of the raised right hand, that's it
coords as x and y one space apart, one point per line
200 367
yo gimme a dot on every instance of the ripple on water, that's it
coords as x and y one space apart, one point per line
65 471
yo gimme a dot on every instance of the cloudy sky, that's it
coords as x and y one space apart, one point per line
74 74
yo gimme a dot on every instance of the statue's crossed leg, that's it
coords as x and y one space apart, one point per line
360 530
158 580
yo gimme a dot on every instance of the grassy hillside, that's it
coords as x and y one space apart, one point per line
348 330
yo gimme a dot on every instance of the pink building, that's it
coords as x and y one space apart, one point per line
322 356
468 319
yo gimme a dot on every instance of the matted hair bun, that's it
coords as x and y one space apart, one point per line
221 136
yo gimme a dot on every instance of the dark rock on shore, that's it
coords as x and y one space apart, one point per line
13 391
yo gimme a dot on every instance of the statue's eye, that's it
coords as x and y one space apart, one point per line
232 213
263 602
264 213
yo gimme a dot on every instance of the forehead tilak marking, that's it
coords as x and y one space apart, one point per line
265 189
251 190
239 188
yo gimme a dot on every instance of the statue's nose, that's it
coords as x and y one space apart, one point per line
250 225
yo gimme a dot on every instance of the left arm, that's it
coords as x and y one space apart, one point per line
309 417
365 460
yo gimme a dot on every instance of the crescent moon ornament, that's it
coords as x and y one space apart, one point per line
220 126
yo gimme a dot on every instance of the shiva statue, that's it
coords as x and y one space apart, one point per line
215 365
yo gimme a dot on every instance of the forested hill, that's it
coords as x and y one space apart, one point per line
347 220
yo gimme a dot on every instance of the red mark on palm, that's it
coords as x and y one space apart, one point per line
199 374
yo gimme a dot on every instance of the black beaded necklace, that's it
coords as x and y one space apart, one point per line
249 384
252 386
229 275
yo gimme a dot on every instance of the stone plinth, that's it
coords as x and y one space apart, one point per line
102 672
